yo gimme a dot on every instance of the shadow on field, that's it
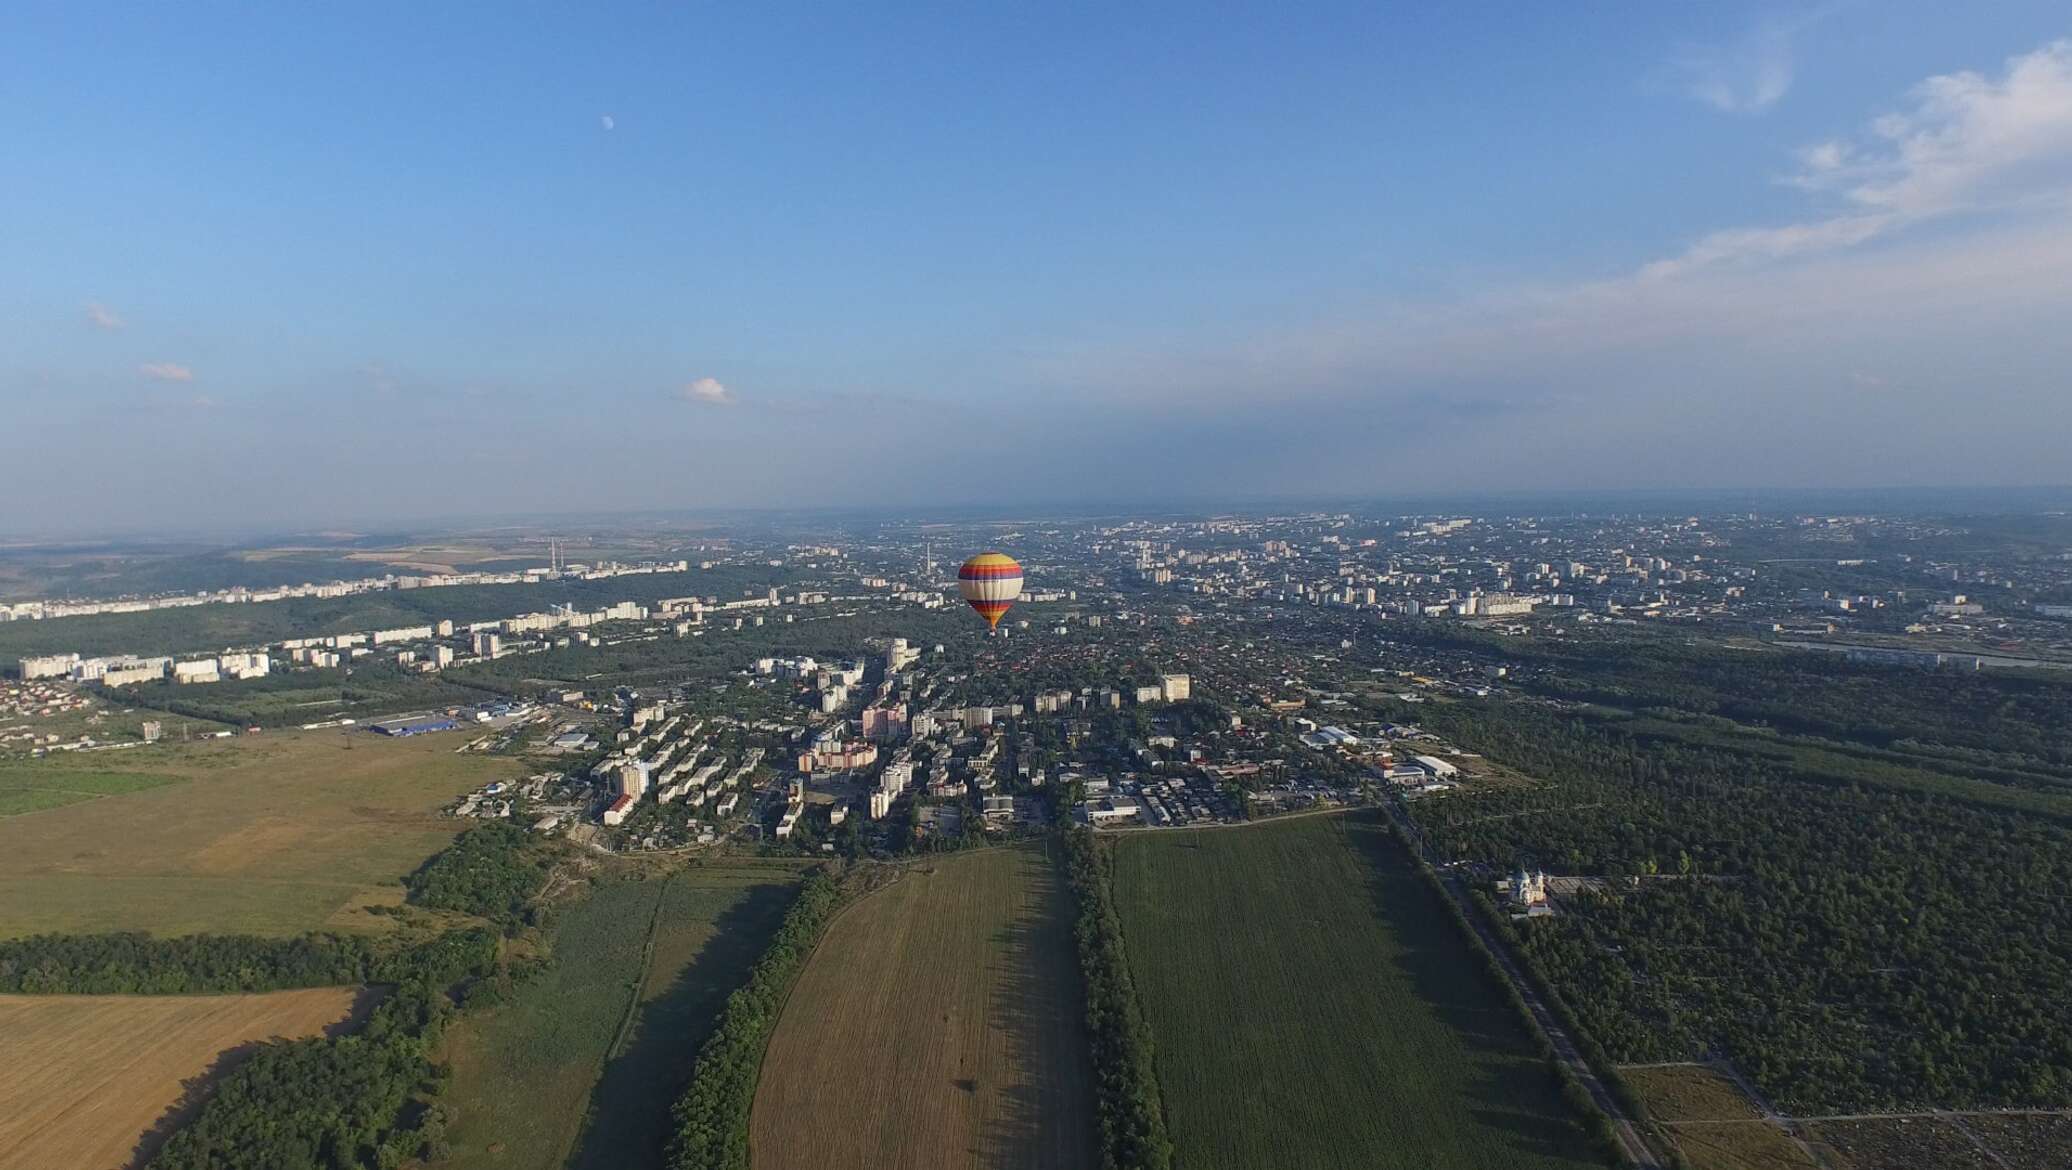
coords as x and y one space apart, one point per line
1043 1116
194 1090
1514 1092
627 1125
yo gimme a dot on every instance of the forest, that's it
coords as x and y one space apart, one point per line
1850 946
489 871
2012 726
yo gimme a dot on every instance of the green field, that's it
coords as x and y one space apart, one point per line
1314 1006
268 834
33 787
580 1068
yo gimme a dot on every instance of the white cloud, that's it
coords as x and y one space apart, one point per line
707 392
166 372
1746 77
1946 235
101 316
607 121
203 402
1968 143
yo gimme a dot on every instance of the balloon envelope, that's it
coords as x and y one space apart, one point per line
990 581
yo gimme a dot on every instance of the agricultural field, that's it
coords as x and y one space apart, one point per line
939 1023
1713 1122
270 834
93 1081
1690 1092
580 1067
1313 1005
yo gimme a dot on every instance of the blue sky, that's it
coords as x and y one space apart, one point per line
385 260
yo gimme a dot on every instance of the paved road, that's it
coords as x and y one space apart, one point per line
1630 1143
1631 1146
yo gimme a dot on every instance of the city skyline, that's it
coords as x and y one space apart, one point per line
463 266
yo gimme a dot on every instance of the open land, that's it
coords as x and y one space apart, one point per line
1313 1006
273 834
1899 1143
588 1057
938 1024
89 1076
1713 1122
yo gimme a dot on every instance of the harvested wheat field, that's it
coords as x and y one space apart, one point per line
939 1024
89 1077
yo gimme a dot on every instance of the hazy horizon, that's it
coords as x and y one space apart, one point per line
287 269
1954 501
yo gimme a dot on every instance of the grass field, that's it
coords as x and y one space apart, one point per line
938 1024
87 1076
581 1067
268 834
27 787
1313 1005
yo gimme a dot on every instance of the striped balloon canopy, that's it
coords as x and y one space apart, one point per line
990 581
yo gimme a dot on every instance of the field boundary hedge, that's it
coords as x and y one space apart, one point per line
712 1115
1129 1104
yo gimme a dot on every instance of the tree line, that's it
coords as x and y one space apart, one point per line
137 964
129 963
712 1115
1130 1108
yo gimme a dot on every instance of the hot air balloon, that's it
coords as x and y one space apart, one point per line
990 581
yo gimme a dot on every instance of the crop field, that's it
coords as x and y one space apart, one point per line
89 1080
1313 1005
580 1067
1724 1130
268 834
1690 1092
939 1023
714 925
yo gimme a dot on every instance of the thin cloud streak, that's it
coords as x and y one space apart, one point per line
1748 76
102 317
166 372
